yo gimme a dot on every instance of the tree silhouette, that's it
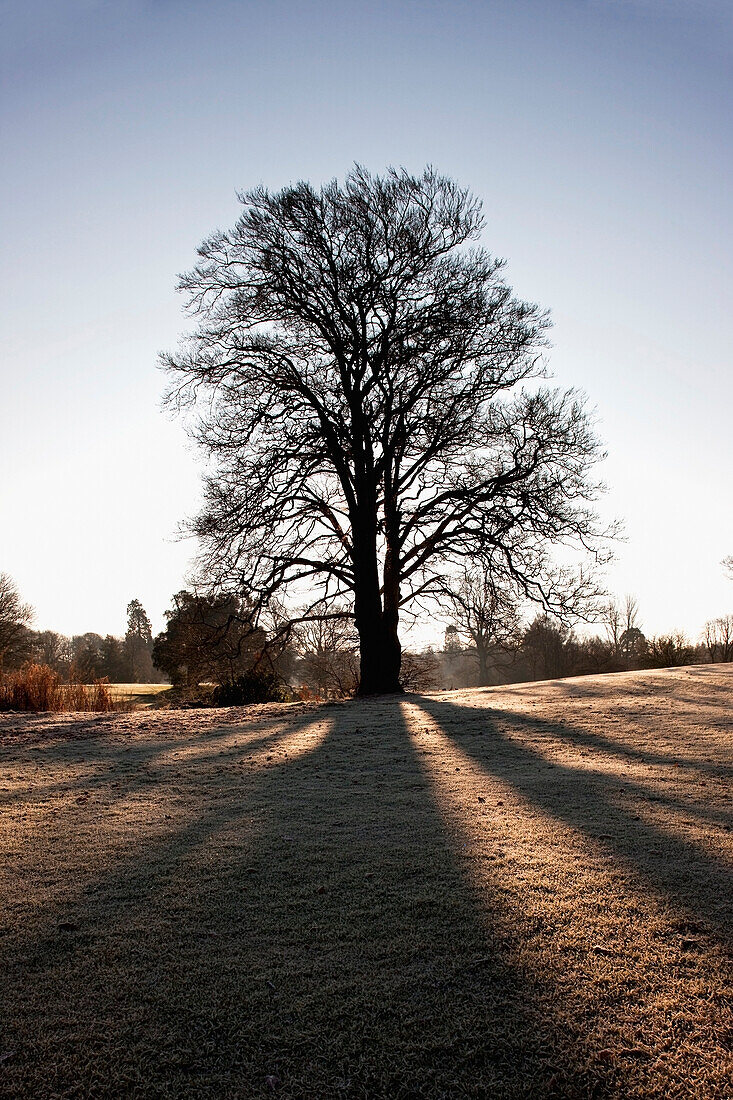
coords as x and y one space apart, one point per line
484 611
355 374
138 643
15 616
207 639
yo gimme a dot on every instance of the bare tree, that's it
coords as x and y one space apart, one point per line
420 671
329 649
52 649
725 628
669 650
485 612
710 639
613 621
631 628
622 628
718 638
15 617
355 373
727 564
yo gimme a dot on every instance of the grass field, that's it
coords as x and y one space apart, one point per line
517 892
141 695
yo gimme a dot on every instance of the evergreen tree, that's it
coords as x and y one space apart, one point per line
138 644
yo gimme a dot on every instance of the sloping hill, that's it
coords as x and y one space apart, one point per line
513 892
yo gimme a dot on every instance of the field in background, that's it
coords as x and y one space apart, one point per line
510 892
141 695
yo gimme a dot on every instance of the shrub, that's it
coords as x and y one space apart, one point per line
38 688
34 687
193 695
252 687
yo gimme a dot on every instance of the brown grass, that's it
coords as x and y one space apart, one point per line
519 892
38 688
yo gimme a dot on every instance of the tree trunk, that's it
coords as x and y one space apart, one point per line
377 625
380 659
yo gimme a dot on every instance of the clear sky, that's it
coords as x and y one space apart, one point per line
597 132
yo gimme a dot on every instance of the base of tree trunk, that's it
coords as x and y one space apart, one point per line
369 691
380 658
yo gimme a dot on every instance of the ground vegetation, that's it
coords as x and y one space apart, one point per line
514 892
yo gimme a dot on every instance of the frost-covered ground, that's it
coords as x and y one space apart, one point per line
515 892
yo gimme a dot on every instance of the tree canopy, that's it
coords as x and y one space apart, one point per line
356 373
207 638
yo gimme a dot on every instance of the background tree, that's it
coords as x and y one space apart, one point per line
613 621
549 647
456 663
621 619
485 612
88 657
718 638
725 637
52 649
329 654
114 662
207 639
359 369
15 617
634 645
669 650
710 639
593 655
631 632
138 644
420 671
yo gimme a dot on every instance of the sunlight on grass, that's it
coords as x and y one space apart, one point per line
100 815
579 916
468 894
140 695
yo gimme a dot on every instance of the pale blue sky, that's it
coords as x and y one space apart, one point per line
597 133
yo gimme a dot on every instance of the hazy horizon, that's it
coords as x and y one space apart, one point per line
596 134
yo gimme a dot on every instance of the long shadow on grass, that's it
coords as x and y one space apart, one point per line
652 689
587 800
620 753
119 766
203 789
593 740
308 931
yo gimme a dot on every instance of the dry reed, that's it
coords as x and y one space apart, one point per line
37 687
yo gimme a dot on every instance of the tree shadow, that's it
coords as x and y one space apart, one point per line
650 686
132 760
622 753
587 800
306 926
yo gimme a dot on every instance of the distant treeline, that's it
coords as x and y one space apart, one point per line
82 658
545 649
89 657
211 649
548 650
